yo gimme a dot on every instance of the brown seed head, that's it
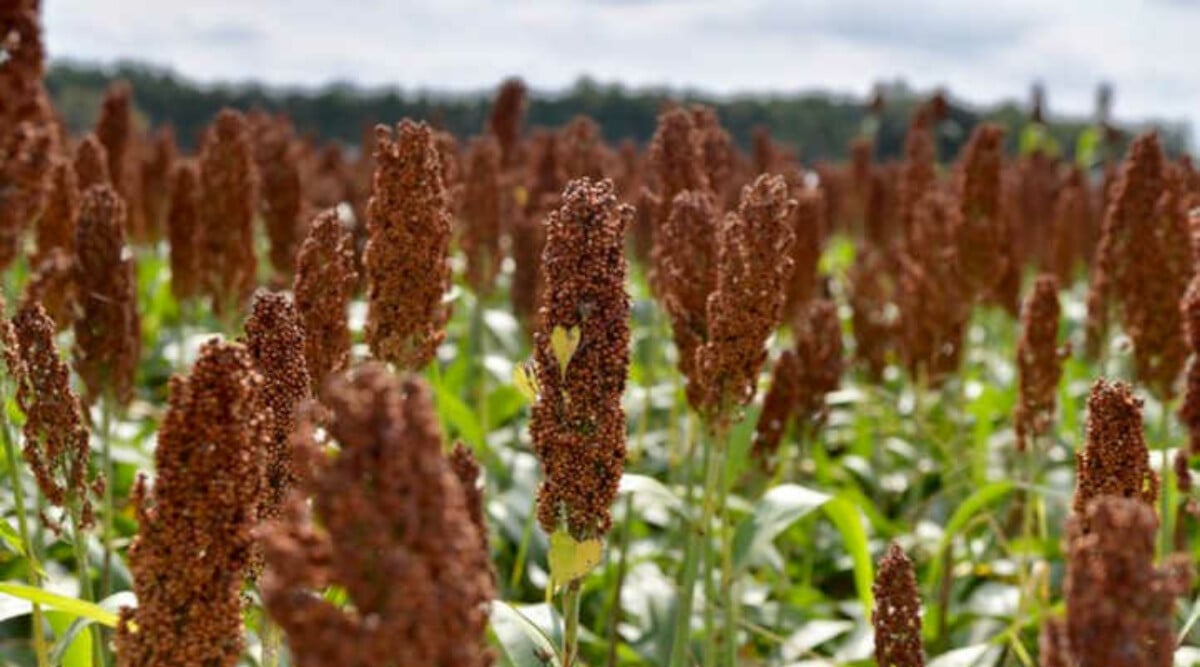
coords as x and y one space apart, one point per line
1189 411
481 214
578 424
1054 646
470 475
685 267
980 225
918 173
392 528
504 123
52 284
934 308
409 239
91 163
195 537
22 97
114 129
870 293
107 327
25 159
276 343
56 225
582 149
677 158
229 181
818 333
1119 606
717 151
897 613
183 231
324 283
1114 460
282 198
56 440
156 166
779 404
808 221
1039 361
754 264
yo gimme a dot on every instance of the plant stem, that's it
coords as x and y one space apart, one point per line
270 642
35 579
614 608
691 562
728 585
107 404
518 570
79 543
571 598
1164 481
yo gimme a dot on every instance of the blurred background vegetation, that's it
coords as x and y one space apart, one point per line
818 125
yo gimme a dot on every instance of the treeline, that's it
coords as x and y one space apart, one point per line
817 125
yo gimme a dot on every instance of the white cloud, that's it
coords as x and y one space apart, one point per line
981 51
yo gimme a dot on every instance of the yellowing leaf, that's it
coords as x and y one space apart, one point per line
525 380
521 195
570 559
564 342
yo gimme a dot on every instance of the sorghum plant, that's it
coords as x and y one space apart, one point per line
897 613
230 182
1039 361
324 282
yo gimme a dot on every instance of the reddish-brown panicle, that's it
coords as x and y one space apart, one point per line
481 213
25 158
56 225
210 466
183 231
276 343
229 181
156 167
919 171
390 524
1189 411
1114 459
1071 240
1039 361
324 282
1054 646
52 284
870 291
470 475
282 197
22 97
677 158
56 439
115 131
818 333
779 404
897 613
717 152
980 227
504 123
582 149
685 267
408 242
754 264
578 424
934 307
91 163
808 221
1120 608
108 335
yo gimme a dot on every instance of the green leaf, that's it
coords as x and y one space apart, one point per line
67 649
10 537
570 559
459 418
73 606
523 642
849 522
780 507
983 498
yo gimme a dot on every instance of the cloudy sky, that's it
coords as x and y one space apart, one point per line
982 51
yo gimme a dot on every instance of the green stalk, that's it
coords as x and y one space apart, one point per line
79 544
518 570
110 480
35 579
270 642
614 607
728 585
571 599
1164 481
691 563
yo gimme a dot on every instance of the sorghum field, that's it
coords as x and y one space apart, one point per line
529 398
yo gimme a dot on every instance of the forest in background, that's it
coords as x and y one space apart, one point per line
818 125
